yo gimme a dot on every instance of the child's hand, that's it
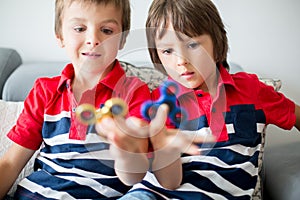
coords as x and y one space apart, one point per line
169 144
127 134
128 140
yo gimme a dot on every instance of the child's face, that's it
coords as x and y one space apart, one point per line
187 60
91 35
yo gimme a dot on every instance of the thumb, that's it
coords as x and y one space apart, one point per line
158 123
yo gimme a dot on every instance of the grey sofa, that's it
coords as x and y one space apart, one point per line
281 172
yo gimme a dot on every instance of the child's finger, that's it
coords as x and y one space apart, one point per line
158 123
192 136
115 125
132 127
185 142
192 150
105 127
140 128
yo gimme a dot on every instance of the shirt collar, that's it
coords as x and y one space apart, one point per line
114 76
67 74
110 80
225 77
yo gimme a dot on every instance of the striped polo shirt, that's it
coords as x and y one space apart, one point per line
237 116
74 162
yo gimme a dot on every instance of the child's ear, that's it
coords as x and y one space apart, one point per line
60 41
122 42
124 35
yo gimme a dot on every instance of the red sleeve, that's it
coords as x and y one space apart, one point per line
278 109
28 128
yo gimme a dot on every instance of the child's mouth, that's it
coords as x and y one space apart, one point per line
91 54
187 75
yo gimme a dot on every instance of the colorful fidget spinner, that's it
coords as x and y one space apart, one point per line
88 114
168 92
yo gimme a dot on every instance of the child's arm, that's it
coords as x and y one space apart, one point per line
129 146
168 145
11 164
297 112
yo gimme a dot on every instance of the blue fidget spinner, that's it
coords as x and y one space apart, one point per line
168 92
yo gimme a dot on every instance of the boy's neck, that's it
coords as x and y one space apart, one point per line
84 81
210 85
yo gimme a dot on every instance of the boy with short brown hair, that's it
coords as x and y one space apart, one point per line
74 161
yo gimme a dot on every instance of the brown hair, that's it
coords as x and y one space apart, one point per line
191 17
123 5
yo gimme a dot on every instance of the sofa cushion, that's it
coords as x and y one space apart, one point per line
147 74
8 117
282 178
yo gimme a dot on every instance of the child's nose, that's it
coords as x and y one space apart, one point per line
181 60
92 43
93 39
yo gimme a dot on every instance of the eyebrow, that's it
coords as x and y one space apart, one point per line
184 40
159 44
105 21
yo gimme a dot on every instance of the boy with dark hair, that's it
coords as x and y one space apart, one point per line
187 41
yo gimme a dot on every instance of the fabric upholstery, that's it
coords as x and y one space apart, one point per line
282 164
8 117
9 61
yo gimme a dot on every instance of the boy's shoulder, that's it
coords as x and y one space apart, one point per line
244 76
242 79
47 86
48 82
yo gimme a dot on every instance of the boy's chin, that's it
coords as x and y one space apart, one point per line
187 84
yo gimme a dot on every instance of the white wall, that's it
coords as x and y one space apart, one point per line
264 36
28 26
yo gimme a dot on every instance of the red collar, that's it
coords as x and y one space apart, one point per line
110 80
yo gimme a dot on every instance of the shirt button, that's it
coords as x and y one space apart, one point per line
200 95
74 109
213 110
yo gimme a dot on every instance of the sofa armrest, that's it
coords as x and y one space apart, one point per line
9 61
282 175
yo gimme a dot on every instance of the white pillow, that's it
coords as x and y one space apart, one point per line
9 112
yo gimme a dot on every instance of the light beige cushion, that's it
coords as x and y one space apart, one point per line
9 112
147 74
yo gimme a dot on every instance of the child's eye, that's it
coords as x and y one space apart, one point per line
167 51
79 29
193 45
107 31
